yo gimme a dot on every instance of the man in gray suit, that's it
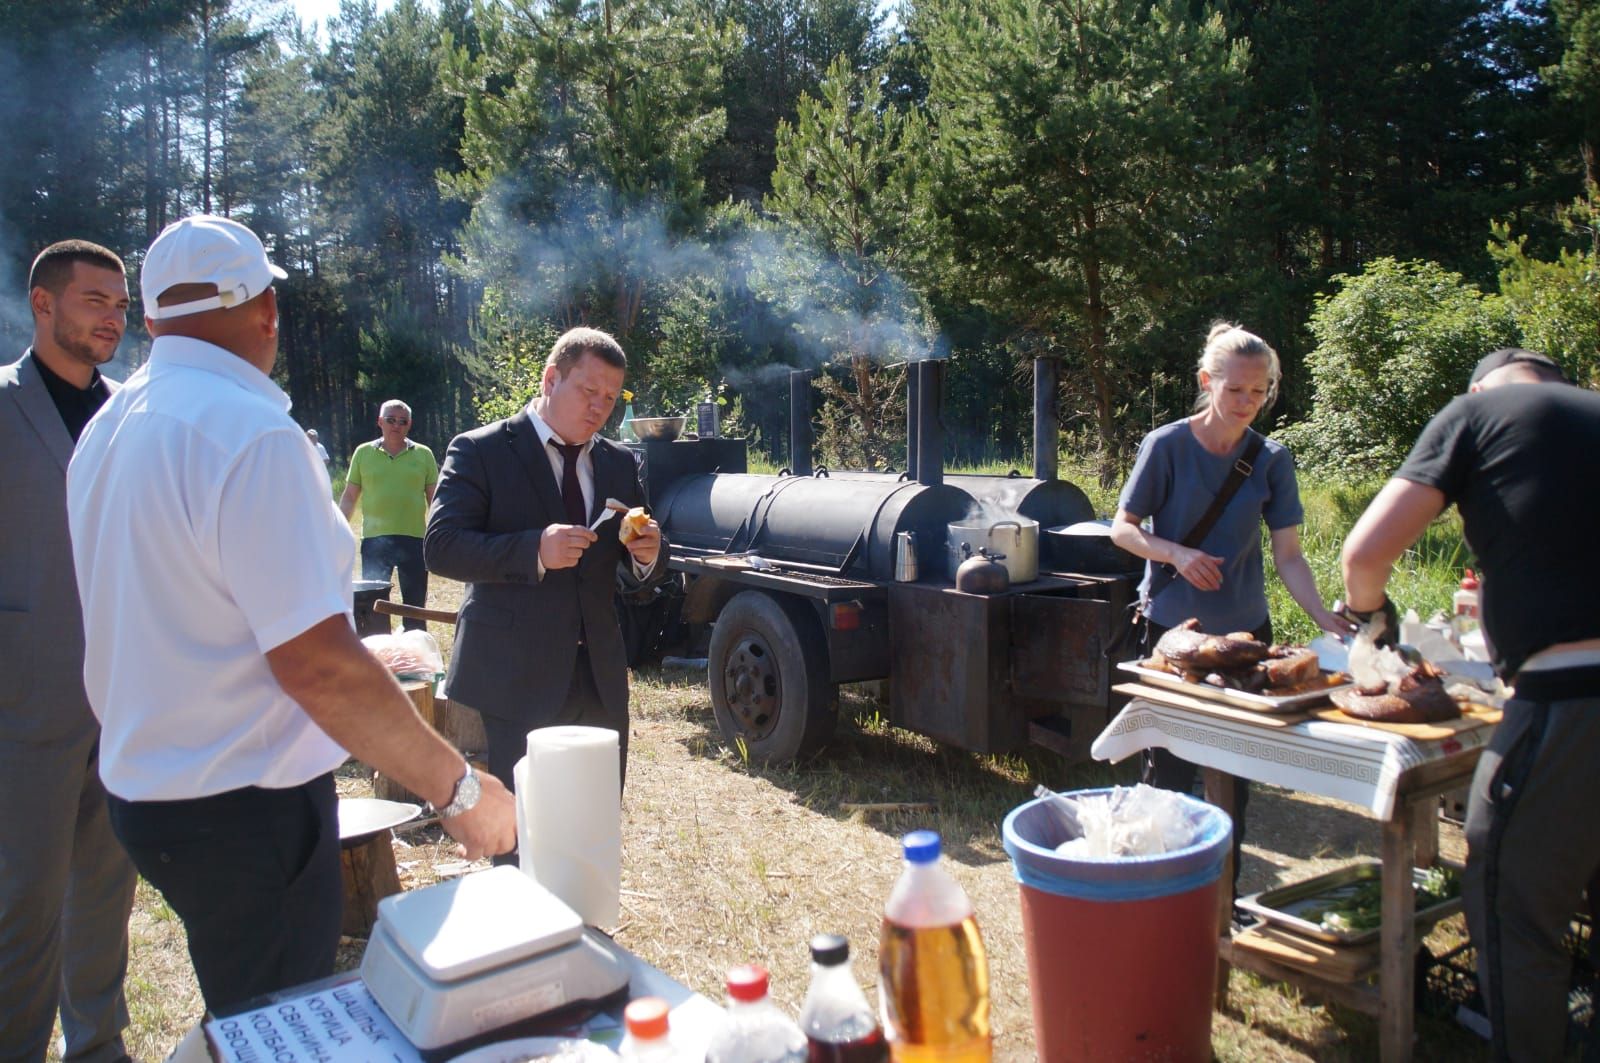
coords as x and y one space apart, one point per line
537 642
66 886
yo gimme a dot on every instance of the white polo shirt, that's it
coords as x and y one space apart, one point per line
204 536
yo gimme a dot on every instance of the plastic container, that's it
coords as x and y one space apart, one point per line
649 1036
754 1031
1122 952
933 973
1464 603
837 1020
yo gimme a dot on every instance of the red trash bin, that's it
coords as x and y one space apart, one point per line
1122 952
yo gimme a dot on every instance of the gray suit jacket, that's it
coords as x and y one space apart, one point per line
41 620
516 638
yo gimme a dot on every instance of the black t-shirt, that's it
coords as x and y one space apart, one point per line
1519 462
75 405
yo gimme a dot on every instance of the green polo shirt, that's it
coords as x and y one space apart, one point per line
392 500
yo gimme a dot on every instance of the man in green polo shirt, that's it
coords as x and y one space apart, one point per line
393 478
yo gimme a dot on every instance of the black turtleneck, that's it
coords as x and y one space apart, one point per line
75 405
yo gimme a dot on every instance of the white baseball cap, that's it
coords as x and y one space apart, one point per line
205 249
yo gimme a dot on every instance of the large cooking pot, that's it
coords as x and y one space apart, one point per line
1087 547
1015 537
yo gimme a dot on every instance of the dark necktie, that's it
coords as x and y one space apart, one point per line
571 491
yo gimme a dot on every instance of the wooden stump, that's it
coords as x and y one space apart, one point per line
369 875
461 727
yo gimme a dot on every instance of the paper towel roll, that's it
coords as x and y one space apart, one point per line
569 818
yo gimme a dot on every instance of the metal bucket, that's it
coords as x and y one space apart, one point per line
1015 537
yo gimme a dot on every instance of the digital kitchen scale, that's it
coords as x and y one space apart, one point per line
480 952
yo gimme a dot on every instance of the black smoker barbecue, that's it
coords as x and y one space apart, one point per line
795 573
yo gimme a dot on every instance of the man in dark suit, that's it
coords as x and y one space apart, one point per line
537 642
66 886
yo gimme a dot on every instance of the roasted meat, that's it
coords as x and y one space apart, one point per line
1417 697
1192 650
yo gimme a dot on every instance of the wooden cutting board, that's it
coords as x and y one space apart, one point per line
1337 963
1472 716
1168 696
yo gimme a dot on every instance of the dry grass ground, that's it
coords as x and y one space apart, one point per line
724 862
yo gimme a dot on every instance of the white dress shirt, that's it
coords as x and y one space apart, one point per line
558 466
204 536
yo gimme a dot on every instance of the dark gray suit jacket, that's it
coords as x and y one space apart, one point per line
517 636
41 620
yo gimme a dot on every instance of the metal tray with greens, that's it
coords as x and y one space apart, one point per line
1345 907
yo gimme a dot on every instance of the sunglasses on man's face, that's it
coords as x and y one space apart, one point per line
397 420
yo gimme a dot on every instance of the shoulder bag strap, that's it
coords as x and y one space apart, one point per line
1242 468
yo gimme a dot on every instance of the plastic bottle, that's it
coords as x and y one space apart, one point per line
837 1020
648 1038
1465 602
933 974
755 1031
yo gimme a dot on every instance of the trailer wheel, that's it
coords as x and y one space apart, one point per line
768 689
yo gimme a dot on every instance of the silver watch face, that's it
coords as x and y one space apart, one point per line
468 790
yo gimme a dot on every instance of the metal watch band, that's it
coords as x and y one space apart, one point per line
464 796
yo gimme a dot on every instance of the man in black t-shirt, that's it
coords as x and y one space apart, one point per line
1513 455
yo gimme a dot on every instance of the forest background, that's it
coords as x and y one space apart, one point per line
736 188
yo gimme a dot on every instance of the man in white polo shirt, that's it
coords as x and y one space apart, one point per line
215 574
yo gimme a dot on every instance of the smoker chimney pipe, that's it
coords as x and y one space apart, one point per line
913 415
1046 434
800 422
930 427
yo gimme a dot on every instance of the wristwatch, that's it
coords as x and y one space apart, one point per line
464 796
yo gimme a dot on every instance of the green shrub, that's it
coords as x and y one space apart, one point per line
1394 344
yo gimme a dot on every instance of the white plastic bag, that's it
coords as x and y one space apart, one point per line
409 654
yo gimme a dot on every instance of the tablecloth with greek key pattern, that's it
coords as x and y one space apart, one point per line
1362 765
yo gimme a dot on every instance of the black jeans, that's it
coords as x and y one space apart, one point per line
253 874
1170 772
383 554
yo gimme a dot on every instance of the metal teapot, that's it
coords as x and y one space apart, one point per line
983 573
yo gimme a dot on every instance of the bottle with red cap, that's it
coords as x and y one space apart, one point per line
648 1038
754 1030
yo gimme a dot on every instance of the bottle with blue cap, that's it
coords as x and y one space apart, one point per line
933 974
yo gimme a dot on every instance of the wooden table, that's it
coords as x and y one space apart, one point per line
1397 773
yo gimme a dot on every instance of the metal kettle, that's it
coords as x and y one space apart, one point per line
982 573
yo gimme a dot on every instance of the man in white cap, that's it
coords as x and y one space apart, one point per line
215 574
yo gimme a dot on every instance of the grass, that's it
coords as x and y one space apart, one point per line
725 861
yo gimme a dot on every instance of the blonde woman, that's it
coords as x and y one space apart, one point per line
1180 469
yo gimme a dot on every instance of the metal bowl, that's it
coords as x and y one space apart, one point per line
657 429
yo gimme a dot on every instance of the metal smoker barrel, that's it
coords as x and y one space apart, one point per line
846 525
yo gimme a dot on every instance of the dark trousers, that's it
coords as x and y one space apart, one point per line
253 874
1533 845
384 554
1169 772
508 739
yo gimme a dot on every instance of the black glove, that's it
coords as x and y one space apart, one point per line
1381 624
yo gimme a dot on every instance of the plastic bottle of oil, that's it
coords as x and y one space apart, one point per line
933 974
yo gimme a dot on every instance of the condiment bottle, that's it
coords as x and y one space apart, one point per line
933 973
625 430
754 1030
837 1020
648 1038
1465 605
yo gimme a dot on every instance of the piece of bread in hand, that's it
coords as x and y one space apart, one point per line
633 523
